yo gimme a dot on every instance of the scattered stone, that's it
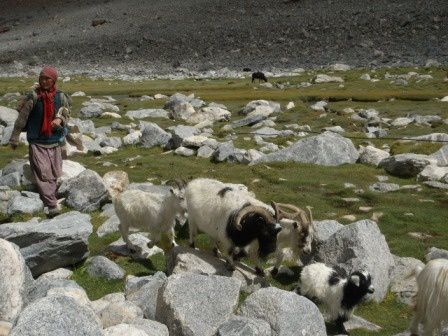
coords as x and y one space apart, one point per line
383 187
325 228
205 152
101 267
402 121
153 135
24 205
406 165
152 328
11 180
249 120
441 156
290 105
147 113
436 253
365 77
111 225
119 312
114 142
60 273
286 312
319 106
70 169
432 172
340 67
419 235
184 151
371 155
350 218
436 185
78 94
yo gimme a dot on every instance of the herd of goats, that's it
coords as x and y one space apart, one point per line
240 225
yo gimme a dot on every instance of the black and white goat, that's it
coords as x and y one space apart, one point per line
431 301
339 295
154 213
296 235
233 218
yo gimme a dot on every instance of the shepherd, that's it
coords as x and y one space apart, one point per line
43 115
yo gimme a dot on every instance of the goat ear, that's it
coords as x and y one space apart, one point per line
355 279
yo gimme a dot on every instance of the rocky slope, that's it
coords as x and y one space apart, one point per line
211 34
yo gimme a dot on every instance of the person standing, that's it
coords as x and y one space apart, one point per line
43 114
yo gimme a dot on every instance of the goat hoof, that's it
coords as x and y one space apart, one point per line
274 271
215 252
259 271
192 245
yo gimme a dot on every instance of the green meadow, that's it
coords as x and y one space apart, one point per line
323 188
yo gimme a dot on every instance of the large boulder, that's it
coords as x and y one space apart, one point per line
101 267
6 194
8 116
70 169
119 312
181 132
50 244
15 281
85 192
328 149
192 304
406 165
441 156
57 315
209 114
432 173
371 155
243 326
360 246
261 107
287 313
22 204
402 282
153 135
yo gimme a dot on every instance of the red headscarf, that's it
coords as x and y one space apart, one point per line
48 100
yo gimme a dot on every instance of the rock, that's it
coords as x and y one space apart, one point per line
14 283
50 244
72 319
181 132
319 106
360 246
325 228
402 282
70 169
8 116
113 115
435 253
147 294
249 120
183 151
328 149
24 205
402 121
5 328
85 192
60 273
252 155
132 138
101 267
116 182
406 165
371 155
269 107
111 225
327 79
119 312
92 110
6 135
11 180
182 111
428 120
153 135
84 126
243 326
365 76
334 129
225 152
432 172
286 312
114 142
383 187
78 94
193 304
107 150
152 328
5 195
441 156
290 105
436 185
147 113
195 141
267 132
340 67
15 166
160 96
209 114
139 242
205 152
368 114
357 322
124 329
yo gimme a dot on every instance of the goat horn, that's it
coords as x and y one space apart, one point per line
310 214
278 215
248 209
290 207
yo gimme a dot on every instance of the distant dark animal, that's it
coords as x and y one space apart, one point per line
260 76
247 69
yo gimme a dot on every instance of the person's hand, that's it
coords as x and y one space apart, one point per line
56 122
13 145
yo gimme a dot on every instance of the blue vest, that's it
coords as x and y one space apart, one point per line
34 124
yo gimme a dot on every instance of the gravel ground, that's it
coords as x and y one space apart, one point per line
159 36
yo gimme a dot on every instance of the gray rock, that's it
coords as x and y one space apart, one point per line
14 166
152 328
357 322
146 296
441 156
124 329
85 192
181 132
192 304
325 228
436 253
24 205
321 78
406 165
427 119
225 152
371 155
328 149
368 114
383 187
253 105
182 111
286 312
402 121
114 142
60 273
153 135
91 111
6 135
248 121
11 180
205 152
73 319
174 100
334 129
101 267
119 312
139 242
109 226
50 244
436 185
5 195
432 172
184 151
43 286
360 246
402 283
243 326
132 138
84 126
14 283
8 116
267 132
147 113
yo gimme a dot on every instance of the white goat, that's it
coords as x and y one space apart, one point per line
338 295
232 217
297 233
154 213
431 302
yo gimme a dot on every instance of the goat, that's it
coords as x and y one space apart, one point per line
338 295
431 301
152 212
297 232
260 76
233 218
